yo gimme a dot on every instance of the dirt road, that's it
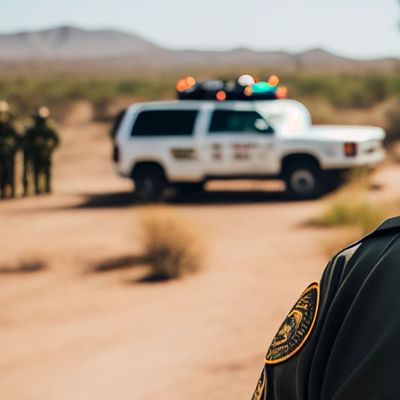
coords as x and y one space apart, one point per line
68 333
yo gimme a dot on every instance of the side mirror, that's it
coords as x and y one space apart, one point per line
262 126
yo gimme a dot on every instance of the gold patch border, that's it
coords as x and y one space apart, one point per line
264 386
298 348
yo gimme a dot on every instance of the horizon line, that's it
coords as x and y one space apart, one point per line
195 49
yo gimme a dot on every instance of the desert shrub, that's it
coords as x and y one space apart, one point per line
349 211
352 217
349 206
131 86
356 92
357 179
353 95
338 92
169 246
393 121
344 90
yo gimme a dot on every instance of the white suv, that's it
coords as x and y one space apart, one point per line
186 143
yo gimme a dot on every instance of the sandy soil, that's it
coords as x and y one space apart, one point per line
68 333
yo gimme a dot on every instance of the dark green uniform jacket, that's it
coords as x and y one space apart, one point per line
341 340
9 141
40 141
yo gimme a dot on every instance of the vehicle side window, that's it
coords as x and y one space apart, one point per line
164 123
231 121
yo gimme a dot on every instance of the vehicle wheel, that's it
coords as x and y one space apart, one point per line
189 189
304 180
150 184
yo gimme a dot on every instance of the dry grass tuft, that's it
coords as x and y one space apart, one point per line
352 211
170 245
350 206
356 180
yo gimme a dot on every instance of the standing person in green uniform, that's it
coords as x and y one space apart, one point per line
40 142
9 143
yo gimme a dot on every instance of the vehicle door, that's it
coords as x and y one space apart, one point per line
165 135
238 142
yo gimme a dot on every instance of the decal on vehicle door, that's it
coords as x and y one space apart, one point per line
242 151
184 154
216 153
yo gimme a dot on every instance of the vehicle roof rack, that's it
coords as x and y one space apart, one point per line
243 88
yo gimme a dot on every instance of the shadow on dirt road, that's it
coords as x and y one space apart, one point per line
220 197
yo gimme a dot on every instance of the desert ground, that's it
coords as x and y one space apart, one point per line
68 332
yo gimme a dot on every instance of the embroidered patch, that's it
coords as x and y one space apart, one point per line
261 390
296 327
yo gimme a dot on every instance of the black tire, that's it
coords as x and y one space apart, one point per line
304 180
150 184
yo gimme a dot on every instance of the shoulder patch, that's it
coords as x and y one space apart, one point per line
261 390
296 327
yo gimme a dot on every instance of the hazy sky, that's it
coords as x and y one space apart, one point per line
357 28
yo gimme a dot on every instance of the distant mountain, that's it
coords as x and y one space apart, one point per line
71 43
69 48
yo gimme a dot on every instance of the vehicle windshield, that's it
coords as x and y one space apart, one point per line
286 116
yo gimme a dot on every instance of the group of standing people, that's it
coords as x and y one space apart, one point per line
37 144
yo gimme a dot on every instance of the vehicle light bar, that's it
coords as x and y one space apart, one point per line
243 88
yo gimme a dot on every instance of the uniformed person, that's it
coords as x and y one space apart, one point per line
40 142
341 339
9 143
27 167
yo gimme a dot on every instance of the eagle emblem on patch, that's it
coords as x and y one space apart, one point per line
296 327
261 390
